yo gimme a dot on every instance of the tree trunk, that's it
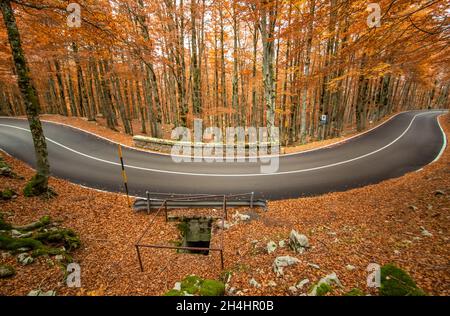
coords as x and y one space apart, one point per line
312 5
39 183
267 29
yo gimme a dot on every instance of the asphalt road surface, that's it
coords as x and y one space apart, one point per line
405 143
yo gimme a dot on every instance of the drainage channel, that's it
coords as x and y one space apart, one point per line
196 232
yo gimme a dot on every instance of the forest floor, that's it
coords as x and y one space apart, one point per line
381 223
99 128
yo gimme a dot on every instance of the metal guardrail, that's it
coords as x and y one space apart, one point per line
177 201
173 201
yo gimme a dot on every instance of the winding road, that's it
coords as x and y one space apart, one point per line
405 143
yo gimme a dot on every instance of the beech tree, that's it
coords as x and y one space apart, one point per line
38 185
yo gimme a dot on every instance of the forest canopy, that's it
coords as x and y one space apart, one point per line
231 62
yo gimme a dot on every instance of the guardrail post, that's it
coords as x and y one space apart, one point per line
148 202
251 199
221 258
225 207
165 209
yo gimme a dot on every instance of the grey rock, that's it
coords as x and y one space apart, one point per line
232 290
241 217
254 283
24 259
425 232
313 265
350 267
272 283
330 279
59 257
292 289
271 247
42 293
6 271
223 224
284 261
6 255
298 242
302 283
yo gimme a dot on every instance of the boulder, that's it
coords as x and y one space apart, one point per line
271 247
24 259
298 242
325 284
6 271
284 261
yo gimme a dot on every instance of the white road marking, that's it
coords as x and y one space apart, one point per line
232 175
167 154
444 143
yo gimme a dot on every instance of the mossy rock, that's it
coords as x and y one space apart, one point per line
6 271
3 224
323 288
174 292
354 292
212 288
194 285
6 170
191 284
397 282
7 194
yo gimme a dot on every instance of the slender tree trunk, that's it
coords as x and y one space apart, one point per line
235 87
196 92
223 69
39 184
85 109
306 68
62 95
267 29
